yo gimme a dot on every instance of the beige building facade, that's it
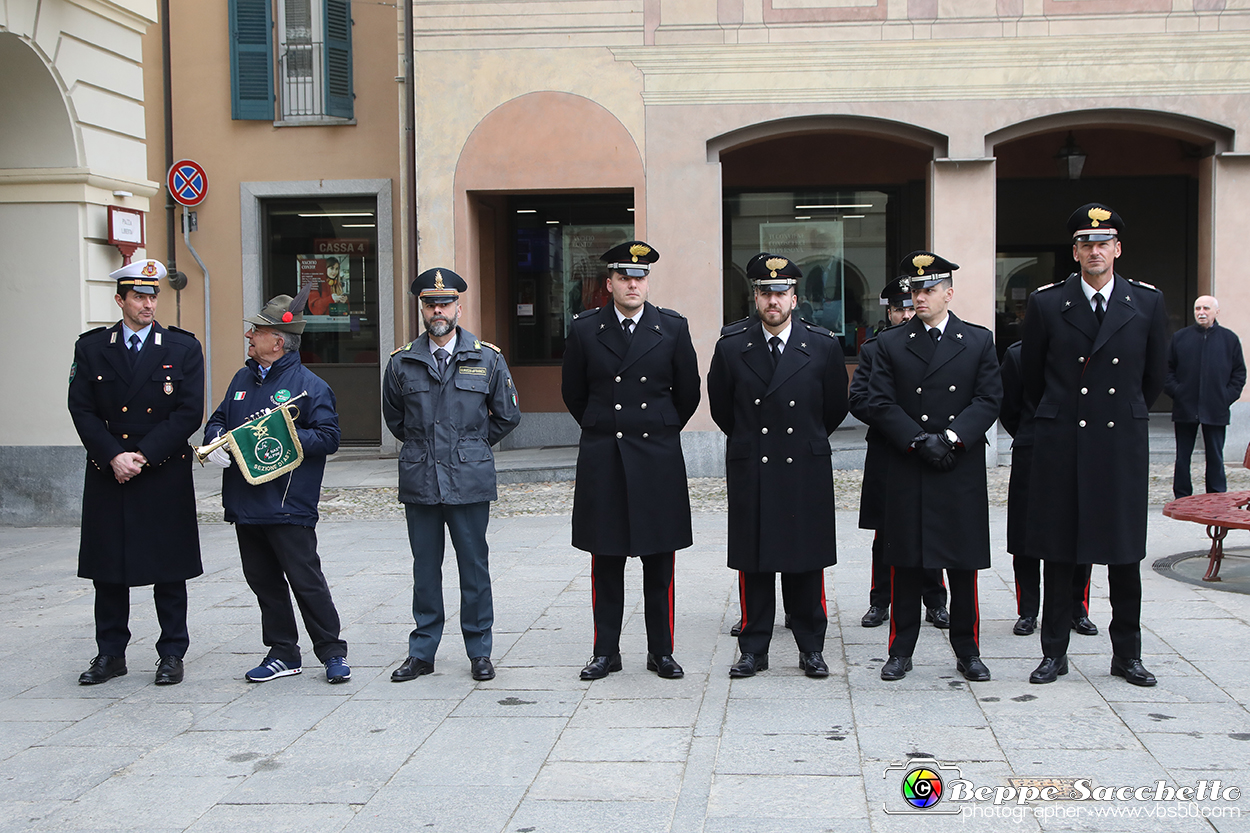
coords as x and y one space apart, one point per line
841 133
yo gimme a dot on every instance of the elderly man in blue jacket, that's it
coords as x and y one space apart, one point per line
276 521
1206 373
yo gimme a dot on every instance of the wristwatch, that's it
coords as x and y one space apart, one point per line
952 437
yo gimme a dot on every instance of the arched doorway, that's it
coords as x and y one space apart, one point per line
1151 167
844 198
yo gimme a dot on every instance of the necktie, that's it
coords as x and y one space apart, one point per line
134 348
935 334
774 344
443 356
627 324
1098 307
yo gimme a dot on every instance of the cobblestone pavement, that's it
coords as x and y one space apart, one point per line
707 494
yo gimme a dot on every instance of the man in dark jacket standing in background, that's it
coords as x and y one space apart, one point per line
631 380
1093 359
777 388
136 394
276 521
1206 373
448 396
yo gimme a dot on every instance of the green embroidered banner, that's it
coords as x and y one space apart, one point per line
267 447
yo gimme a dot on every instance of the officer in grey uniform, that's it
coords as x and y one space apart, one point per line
449 397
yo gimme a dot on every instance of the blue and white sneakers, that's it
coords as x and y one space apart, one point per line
271 669
337 670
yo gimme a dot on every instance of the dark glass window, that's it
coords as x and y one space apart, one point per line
843 240
555 268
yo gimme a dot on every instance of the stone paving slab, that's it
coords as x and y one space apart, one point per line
538 749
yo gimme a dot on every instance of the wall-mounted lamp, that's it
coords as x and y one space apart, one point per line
1070 159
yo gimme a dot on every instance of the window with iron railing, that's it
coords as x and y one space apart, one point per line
309 42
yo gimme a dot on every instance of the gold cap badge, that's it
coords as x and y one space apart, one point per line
149 268
920 262
775 263
438 280
638 250
1098 215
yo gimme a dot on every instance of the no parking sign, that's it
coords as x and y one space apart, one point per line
187 182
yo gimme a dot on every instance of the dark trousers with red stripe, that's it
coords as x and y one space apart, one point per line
1029 586
607 593
933 592
1124 584
905 618
805 602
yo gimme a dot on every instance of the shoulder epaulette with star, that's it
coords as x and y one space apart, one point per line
401 349
735 326
1144 285
974 324
491 346
1050 286
671 312
816 328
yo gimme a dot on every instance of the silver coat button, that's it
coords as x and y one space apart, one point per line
644 406
757 402
791 403
619 435
1080 358
952 387
643 379
763 430
918 390
1084 391
1081 423
644 436
950 418
924 417
1115 361
618 378
789 459
763 459
1111 425
618 407
1111 391
789 430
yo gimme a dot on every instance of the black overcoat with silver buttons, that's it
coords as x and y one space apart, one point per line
934 519
1093 386
872 492
778 462
631 397
143 531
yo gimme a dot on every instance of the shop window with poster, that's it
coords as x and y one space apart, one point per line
556 271
332 246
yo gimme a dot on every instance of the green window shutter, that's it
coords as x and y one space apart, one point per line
338 59
251 60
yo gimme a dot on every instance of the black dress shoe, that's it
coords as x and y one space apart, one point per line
600 667
736 630
875 617
1049 670
973 669
1025 625
665 667
939 616
813 665
103 668
169 671
482 668
1132 670
411 669
748 665
1083 626
895 668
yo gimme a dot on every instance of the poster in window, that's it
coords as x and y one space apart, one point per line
585 279
329 299
817 248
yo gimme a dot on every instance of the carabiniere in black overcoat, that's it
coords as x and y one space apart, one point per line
935 519
631 397
1093 386
143 531
872 493
779 464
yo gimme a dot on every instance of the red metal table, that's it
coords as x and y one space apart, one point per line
1219 512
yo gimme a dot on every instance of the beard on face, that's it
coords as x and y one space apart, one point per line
439 325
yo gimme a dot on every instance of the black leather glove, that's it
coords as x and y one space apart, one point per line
937 451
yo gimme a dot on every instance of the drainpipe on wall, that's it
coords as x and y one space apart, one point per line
410 153
177 280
